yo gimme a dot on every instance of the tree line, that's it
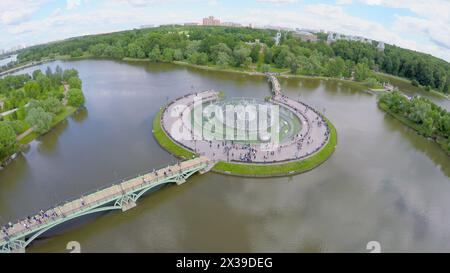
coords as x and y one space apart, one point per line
37 98
236 47
427 118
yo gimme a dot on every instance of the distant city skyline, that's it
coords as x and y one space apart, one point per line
414 24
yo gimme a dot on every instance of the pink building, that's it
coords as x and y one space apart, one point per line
211 21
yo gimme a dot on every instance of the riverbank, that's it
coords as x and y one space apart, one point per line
282 73
23 66
391 78
27 138
63 115
413 126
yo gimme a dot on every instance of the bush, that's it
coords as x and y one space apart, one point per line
415 83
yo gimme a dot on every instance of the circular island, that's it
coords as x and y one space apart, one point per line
245 136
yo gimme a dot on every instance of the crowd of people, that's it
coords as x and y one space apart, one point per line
29 222
300 145
43 217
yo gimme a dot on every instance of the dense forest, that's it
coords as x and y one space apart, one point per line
31 104
421 114
255 49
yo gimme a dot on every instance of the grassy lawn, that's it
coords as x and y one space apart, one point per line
282 169
166 142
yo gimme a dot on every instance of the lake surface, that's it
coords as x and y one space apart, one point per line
383 183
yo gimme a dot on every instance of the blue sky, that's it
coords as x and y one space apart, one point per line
416 24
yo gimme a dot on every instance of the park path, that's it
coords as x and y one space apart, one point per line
24 134
66 90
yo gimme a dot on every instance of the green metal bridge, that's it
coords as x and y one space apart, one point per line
15 237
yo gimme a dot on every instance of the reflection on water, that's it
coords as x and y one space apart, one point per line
383 182
80 115
419 143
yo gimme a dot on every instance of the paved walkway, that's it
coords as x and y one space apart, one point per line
311 138
34 223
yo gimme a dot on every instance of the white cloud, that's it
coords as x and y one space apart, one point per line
13 12
334 18
73 4
278 1
432 20
142 3
344 2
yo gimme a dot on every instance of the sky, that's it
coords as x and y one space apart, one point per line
422 25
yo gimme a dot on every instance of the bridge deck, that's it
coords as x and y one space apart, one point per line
42 219
276 87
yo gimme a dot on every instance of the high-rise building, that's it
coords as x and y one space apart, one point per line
211 21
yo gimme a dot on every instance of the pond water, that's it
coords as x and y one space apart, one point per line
383 183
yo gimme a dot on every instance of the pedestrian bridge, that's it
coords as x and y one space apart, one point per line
15 237
276 87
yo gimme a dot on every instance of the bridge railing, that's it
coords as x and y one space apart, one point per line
60 215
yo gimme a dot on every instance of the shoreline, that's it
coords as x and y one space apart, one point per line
412 126
421 88
288 75
265 170
65 113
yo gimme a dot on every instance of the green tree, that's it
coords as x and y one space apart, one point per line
135 51
155 54
17 125
335 67
167 55
373 83
32 89
74 82
198 58
76 53
220 49
69 73
75 98
241 55
39 119
254 54
178 54
52 105
362 72
7 140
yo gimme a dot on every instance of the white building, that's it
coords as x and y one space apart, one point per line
278 38
333 37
